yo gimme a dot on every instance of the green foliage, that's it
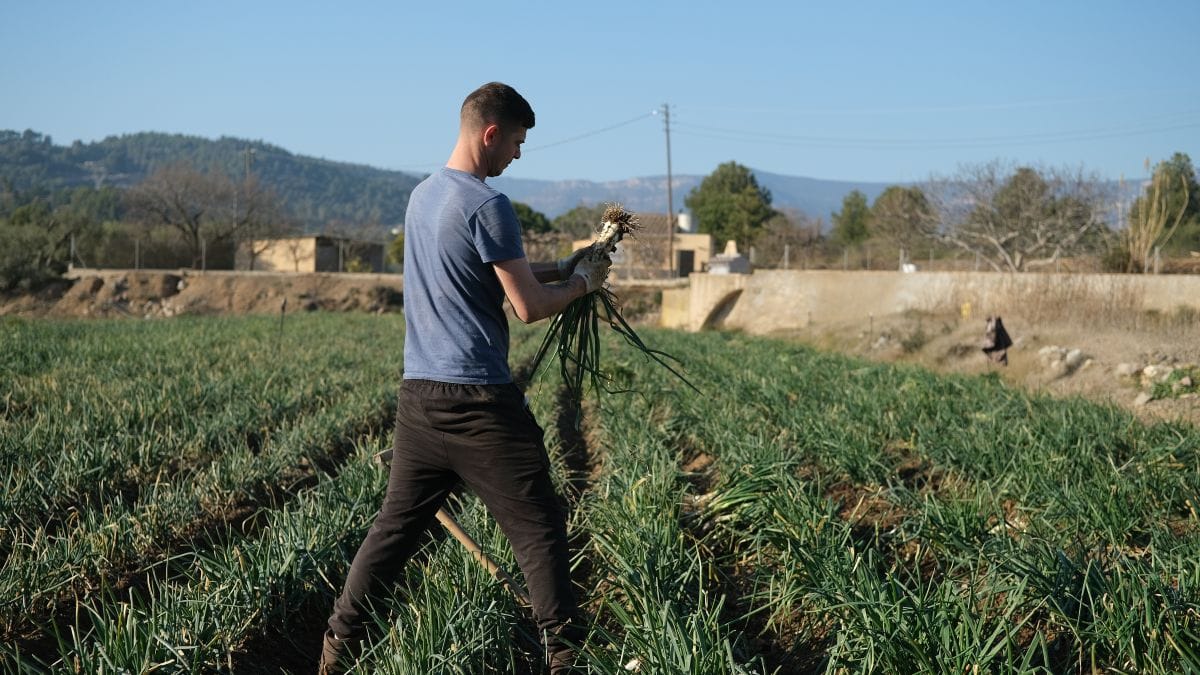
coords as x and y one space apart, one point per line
395 251
36 228
580 222
316 191
1180 193
1181 381
730 204
532 222
871 518
852 225
902 216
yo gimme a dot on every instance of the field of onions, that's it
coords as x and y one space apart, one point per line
185 496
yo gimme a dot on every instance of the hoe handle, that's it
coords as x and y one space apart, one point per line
484 559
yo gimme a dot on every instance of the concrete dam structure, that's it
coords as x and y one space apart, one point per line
774 301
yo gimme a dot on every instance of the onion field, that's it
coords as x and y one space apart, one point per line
185 496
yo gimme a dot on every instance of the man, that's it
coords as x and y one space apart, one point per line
460 416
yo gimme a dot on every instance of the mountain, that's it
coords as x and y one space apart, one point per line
321 193
812 196
318 192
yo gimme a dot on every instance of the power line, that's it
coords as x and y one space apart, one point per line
744 136
930 109
564 141
589 134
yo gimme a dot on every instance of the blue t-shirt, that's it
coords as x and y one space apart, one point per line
456 226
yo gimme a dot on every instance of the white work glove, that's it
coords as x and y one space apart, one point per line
566 266
593 272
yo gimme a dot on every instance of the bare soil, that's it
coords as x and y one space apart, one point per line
1108 350
945 343
166 293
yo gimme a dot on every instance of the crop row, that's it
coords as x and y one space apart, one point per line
805 513
895 520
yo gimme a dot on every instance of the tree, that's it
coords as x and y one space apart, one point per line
395 250
1022 220
580 222
206 208
532 221
730 204
784 239
902 216
1155 218
852 225
180 197
33 245
1180 198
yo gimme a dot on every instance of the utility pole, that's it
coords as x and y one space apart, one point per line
666 111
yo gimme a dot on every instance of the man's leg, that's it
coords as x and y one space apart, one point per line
504 461
418 484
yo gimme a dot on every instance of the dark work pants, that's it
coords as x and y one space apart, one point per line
487 437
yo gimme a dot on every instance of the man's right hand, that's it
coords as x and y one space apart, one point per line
593 272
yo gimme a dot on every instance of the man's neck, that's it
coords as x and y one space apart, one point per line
469 159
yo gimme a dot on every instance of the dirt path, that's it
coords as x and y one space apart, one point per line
1110 367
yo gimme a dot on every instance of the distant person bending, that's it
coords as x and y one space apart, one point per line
460 416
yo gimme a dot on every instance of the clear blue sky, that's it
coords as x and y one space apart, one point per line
880 91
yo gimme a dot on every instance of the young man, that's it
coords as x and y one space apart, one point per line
460 416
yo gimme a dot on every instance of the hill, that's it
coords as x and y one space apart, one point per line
320 191
811 196
317 191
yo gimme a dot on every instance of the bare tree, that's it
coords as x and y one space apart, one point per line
176 196
785 238
1148 225
1021 219
206 207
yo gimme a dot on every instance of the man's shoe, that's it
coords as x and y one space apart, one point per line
338 655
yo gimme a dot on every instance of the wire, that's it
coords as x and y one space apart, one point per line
564 141
739 135
589 134
923 110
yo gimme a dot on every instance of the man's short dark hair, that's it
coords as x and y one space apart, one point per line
497 103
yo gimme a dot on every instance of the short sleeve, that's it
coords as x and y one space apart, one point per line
497 232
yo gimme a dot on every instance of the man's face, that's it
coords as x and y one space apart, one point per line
505 147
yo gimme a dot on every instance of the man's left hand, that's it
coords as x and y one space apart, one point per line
566 266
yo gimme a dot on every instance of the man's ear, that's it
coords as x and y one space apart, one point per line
491 134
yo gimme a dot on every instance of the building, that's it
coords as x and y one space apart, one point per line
647 253
729 262
310 253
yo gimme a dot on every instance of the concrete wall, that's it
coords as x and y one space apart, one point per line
308 254
296 254
776 300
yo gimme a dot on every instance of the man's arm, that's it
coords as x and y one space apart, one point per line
559 270
533 300
545 272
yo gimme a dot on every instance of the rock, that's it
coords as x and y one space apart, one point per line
1127 369
1157 373
1186 382
1056 368
1142 399
1052 356
1074 359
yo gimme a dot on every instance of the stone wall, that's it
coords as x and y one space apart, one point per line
776 300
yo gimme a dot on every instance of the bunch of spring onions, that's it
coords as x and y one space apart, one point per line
574 334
